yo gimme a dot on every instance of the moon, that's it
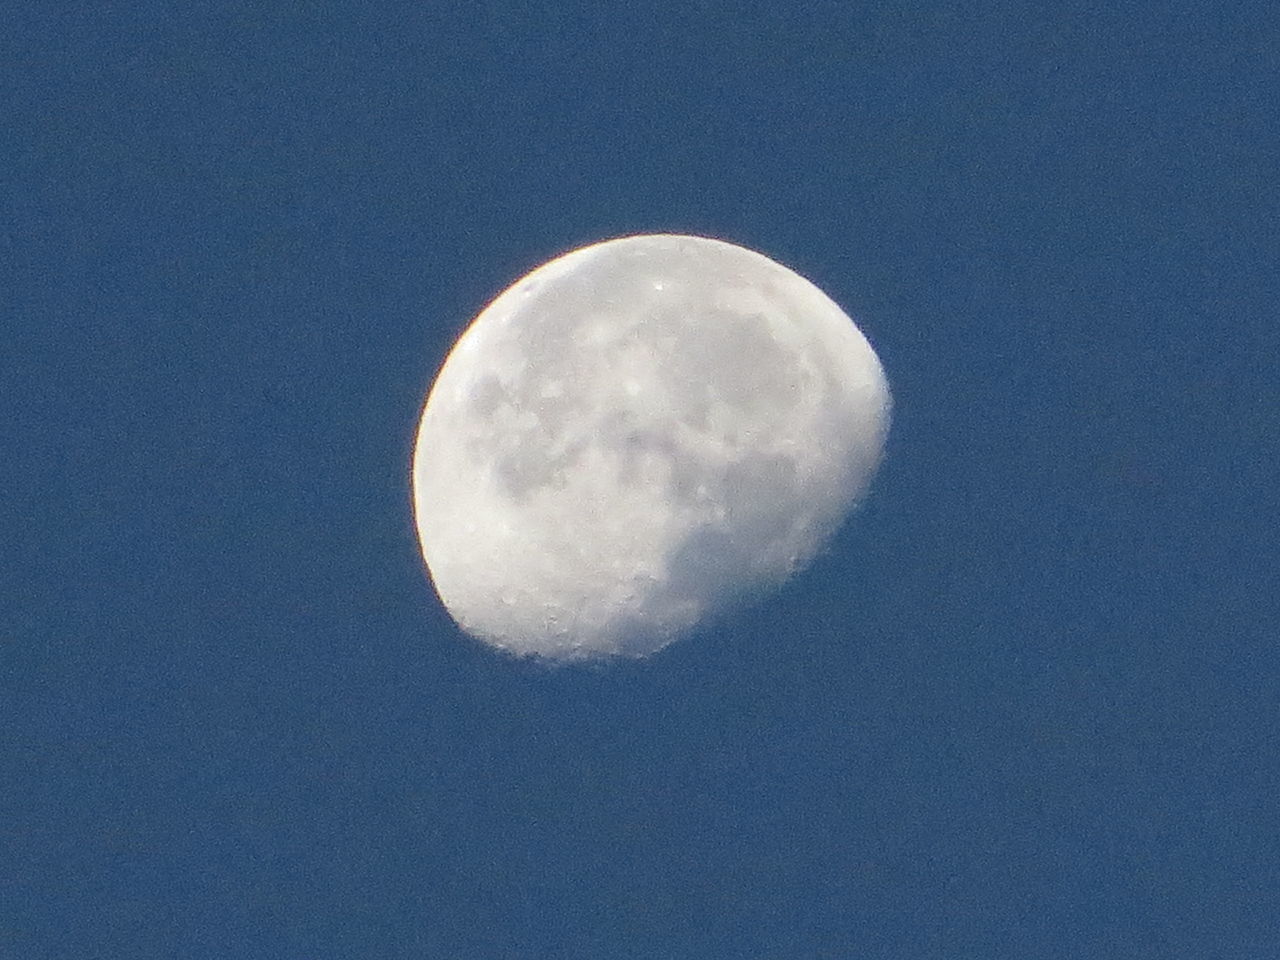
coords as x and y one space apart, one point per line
637 437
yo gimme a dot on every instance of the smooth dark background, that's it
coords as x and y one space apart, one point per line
1026 706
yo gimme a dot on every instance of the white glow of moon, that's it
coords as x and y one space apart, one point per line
637 436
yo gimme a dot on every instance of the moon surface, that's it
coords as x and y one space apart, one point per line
636 437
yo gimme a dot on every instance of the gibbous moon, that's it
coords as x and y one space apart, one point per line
636 437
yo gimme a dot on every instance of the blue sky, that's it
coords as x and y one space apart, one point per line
1024 706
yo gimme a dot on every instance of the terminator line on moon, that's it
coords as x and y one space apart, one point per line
637 436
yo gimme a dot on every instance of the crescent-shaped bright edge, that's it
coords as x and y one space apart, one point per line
636 437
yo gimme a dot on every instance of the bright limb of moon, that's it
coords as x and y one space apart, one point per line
637 436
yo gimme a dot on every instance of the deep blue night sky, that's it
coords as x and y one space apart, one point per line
1027 705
